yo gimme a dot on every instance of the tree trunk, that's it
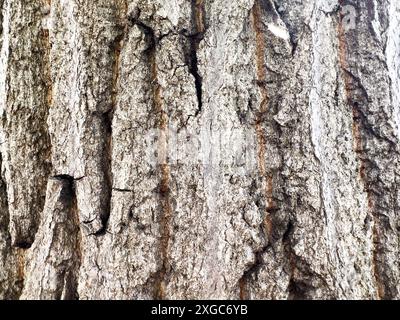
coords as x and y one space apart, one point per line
200 149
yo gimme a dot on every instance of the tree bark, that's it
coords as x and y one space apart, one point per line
200 149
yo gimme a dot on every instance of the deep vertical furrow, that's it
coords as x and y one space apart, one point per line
86 41
375 137
117 44
164 171
199 27
267 179
87 62
357 141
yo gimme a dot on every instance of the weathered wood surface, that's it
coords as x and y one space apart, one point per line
200 149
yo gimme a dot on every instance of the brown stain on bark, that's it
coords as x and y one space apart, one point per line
358 147
261 138
199 15
164 184
243 290
260 53
21 265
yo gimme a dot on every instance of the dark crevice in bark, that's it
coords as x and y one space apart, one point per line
357 98
108 116
298 290
303 280
117 46
69 285
248 275
68 279
105 214
149 33
294 289
122 190
198 21
102 231
159 278
65 177
194 71
88 221
23 245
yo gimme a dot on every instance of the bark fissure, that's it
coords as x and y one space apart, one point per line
267 179
72 280
356 96
198 21
164 169
109 115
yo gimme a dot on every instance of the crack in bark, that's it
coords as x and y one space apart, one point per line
73 281
198 20
158 279
266 226
122 190
163 187
109 115
69 278
359 124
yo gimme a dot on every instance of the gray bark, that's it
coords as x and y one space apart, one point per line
200 149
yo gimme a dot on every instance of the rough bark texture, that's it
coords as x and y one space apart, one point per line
202 149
